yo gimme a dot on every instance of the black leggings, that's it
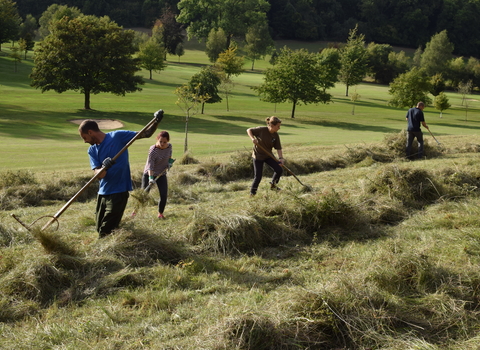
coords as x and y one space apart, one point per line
258 172
162 185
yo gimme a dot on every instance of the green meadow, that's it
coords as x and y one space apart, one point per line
369 251
37 133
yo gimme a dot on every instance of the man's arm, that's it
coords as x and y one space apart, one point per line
151 129
425 125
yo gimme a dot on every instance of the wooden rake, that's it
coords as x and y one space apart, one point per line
270 154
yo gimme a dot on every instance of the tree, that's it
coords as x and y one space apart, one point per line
188 101
15 54
207 82
215 44
9 21
54 13
26 44
172 31
378 62
273 57
259 42
457 71
28 28
329 61
417 57
465 88
437 54
87 54
179 51
234 17
230 64
438 84
354 58
354 98
441 102
151 56
409 88
295 78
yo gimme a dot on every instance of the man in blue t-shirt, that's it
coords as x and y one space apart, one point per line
415 119
115 179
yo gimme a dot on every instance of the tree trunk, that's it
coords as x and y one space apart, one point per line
203 106
87 100
346 90
293 109
253 62
150 74
185 146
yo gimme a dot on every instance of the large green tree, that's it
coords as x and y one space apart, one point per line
437 54
409 88
151 56
87 54
259 42
9 21
296 78
206 83
233 16
354 60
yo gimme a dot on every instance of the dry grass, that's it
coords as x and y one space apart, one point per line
383 253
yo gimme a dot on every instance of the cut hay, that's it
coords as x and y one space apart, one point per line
413 187
141 199
396 143
252 332
186 158
239 233
239 167
138 248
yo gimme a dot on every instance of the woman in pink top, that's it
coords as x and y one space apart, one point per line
158 162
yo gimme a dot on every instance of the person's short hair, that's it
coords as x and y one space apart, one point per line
420 104
88 124
273 120
163 134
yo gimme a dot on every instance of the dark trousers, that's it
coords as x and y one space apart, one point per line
411 135
258 172
162 185
109 211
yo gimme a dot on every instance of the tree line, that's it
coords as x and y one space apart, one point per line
408 23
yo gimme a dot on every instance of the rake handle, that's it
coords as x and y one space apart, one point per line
433 136
270 154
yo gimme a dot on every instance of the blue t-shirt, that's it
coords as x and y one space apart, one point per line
414 119
118 177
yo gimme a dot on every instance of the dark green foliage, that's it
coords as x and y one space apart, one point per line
87 54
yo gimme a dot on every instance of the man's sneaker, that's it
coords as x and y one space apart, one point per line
160 216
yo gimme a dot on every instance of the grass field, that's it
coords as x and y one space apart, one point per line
30 120
374 252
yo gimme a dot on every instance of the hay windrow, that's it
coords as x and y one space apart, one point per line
234 233
413 187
